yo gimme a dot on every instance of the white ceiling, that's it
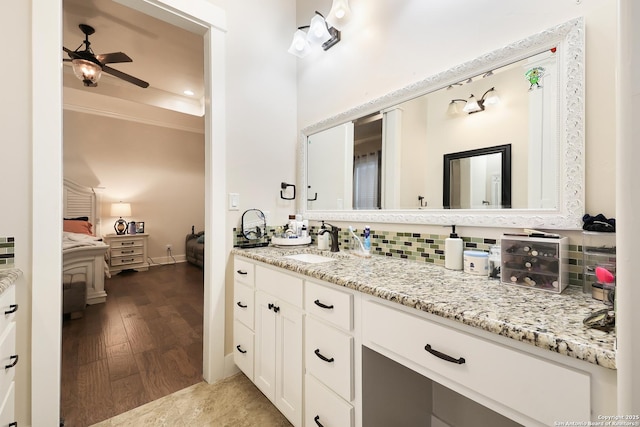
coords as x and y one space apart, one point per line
168 57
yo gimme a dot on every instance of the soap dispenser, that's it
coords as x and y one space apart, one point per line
323 238
453 251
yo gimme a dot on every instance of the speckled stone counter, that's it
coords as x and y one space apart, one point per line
8 278
546 320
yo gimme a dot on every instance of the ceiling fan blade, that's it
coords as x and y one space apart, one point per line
126 77
112 58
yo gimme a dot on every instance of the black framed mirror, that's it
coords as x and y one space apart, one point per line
478 179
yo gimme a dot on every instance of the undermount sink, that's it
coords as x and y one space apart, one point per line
310 258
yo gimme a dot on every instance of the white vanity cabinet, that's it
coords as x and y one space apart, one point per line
243 316
8 356
278 340
531 390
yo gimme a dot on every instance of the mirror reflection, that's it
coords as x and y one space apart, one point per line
393 159
478 179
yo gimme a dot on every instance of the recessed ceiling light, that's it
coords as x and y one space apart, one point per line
188 92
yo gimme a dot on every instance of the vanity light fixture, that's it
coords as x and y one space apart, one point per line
319 34
473 105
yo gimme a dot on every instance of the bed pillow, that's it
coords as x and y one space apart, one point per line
76 226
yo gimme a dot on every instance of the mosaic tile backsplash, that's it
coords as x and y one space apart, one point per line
7 252
423 247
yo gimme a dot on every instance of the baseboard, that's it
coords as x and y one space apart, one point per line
230 368
437 422
166 260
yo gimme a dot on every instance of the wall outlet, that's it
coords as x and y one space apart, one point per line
169 246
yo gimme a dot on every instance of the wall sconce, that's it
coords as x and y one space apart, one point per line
321 32
120 209
473 105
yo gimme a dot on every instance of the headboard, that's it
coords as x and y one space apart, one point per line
81 201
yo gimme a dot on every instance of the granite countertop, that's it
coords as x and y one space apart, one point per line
547 320
8 278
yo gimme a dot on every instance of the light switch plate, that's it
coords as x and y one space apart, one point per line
234 201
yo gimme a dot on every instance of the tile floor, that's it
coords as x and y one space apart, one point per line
232 402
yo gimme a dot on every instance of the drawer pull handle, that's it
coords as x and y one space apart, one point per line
128 252
13 424
443 356
14 363
242 272
273 307
321 305
317 352
240 349
317 421
128 243
241 305
12 309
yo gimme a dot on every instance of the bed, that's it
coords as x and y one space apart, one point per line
83 254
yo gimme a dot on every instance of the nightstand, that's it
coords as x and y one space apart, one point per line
127 252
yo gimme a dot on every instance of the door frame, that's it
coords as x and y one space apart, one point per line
201 17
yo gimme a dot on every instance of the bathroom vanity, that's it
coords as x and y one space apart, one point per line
302 328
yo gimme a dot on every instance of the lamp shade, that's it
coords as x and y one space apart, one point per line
339 14
120 209
492 97
472 105
318 31
87 71
300 45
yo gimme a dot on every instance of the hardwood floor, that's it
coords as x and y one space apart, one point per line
144 343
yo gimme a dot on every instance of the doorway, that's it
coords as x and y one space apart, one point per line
198 16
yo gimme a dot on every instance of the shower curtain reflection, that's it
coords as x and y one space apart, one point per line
366 180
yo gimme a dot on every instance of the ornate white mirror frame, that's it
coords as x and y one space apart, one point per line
569 39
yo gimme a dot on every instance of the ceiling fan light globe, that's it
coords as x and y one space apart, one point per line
87 71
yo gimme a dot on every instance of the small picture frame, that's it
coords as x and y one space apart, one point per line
139 227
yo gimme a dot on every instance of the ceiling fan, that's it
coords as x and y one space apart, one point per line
88 66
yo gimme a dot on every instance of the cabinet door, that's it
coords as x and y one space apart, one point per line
289 362
265 345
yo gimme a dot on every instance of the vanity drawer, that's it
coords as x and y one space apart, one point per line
329 357
7 358
243 305
7 410
243 348
7 304
280 285
323 407
243 271
329 304
509 377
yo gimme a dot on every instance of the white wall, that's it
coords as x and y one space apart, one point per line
159 170
261 115
390 44
15 152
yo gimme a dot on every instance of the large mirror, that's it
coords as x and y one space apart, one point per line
387 157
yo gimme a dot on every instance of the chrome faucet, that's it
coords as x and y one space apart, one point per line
333 232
